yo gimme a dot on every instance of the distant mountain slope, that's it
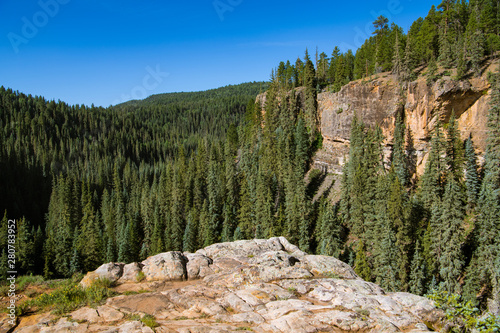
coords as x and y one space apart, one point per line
244 90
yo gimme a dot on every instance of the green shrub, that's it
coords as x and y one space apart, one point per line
99 291
462 316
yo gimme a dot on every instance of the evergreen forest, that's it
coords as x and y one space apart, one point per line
180 171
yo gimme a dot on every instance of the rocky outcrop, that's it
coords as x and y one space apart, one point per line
377 101
259 285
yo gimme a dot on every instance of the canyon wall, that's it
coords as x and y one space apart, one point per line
377 101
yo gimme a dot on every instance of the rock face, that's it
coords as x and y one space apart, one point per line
259 285
377 101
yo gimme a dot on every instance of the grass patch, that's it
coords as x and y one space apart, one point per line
332 275
24 281
149 321
4 290
363 312
140 276
244 328
294 291
69 296
135 292
133 317
31 293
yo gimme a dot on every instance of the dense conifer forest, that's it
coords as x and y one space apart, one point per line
181 171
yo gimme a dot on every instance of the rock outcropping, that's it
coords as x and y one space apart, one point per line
260 285
377 102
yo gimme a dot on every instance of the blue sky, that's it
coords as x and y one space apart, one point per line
106 52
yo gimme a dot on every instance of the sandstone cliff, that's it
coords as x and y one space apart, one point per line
378 101
256 285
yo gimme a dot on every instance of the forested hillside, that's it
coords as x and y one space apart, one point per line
182 171
46 143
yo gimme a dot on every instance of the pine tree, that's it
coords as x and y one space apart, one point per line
396 215
454 149
431 69
332 70
361 266
399 159
310 103
461 64
75 263
471 174
263 207
238 235
4 232
431 183
89 244
157 241
189 238
212 233
475 42
408 61
24 246
177 225
491 181
246 211
386 269
445 50
481 273
418 272
329 242
397 62
450 257
3 265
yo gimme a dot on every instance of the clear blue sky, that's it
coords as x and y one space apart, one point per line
109 51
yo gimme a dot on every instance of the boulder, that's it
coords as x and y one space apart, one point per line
198 266
165 266
111 271
131 273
